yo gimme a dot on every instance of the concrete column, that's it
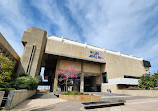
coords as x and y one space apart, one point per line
56 76
50 81
34 41
82 79
102 69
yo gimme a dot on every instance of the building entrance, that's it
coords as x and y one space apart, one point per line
72 84
90 84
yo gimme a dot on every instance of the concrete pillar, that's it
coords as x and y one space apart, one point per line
102 69
56 76
50 81
82 79
75 85
34 41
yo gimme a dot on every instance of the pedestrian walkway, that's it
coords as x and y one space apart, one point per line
39 102
57 104
48 102
44 95
111 96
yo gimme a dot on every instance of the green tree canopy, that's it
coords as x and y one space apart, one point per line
148 81
6 68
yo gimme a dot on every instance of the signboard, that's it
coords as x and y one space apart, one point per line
95 54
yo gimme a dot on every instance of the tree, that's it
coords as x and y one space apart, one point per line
148 81
6 68
67 73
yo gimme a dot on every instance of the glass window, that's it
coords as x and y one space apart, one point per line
104 77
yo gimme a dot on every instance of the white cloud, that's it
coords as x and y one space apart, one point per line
118 25
14 23
10 35
127 25
55 16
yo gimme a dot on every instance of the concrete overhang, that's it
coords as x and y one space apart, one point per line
80 58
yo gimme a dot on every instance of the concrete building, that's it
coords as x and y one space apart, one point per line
8 51
99 69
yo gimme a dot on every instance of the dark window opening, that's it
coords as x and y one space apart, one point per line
146 63
104 77
132 77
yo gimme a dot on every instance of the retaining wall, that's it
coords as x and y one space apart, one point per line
15 97
147 93
81 97
1 96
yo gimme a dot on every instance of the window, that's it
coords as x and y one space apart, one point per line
104 77
146 63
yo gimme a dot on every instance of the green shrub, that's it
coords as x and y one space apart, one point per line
6 68
27 82
24 75
5 85
72 93
7 80
7 89
148 81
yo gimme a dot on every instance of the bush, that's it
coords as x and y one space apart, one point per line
7 80
6 68
133 88
72 93
5 85
27 82
148 81
24 75
6 89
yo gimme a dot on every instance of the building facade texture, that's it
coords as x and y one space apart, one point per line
8 51
99 69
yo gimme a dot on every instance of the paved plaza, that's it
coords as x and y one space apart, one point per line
148 104
48 102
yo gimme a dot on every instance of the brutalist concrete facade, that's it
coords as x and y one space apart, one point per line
8 51
34 41
99 69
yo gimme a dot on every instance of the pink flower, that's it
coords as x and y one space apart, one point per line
68 72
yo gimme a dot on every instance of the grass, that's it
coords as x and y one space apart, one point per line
7 89
72 93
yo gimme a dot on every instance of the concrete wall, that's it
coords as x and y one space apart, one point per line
15 97
117 64
34 41
117 89
65 63
61 48
1 96
82 97
91 68
8 51
147 93
112 87
4 44
98 79
88 68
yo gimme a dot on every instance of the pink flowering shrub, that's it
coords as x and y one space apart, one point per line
67 73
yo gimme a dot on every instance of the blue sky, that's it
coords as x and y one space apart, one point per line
128 26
